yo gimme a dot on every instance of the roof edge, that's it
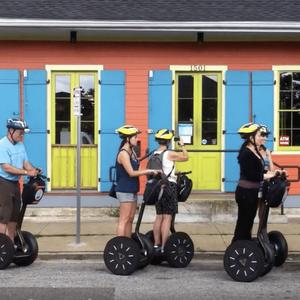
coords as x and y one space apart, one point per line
155 25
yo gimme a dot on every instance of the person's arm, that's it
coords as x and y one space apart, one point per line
124 159
269 157
30 169
179 156
15 171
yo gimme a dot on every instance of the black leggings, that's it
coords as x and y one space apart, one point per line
247 206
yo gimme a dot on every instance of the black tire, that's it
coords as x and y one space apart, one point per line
280 245
7 251
32 250
243 261
179 250
155 260
121 255
146 253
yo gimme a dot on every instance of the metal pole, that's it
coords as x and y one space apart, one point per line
250 99
78 197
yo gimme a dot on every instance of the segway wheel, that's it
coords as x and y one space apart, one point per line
280 247
179 250
6 251
121 255
155 260
243 261
146 250
25 257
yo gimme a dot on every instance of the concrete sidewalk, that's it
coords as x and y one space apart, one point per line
57 238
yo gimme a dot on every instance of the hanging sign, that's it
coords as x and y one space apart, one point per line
284 140
77 102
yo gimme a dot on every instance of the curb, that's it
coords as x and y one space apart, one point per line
292 257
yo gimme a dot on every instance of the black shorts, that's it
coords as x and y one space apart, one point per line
10 201
168 205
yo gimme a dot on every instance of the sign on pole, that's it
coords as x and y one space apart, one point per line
77 114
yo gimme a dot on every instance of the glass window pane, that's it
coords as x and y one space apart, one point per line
285 100
62 86
87 97
296 100
285 120
296 138
62 109
209 133
296 80
87 132
62 131
185 98
185 86
209 110
209 86
296 120
285 81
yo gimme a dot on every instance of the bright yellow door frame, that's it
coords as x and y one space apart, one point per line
204 159
63 173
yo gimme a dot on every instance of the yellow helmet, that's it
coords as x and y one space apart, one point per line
248 129
127 131
164 134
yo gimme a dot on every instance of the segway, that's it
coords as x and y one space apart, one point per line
124 255
179 248
24 250
246 260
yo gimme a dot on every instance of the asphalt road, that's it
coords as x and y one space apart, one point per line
90 280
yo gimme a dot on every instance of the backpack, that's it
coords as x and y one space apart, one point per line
156 186
275 191
184 187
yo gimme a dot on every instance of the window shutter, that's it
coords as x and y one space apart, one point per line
263 101
10 97
35 114
112 116
236 114
160 103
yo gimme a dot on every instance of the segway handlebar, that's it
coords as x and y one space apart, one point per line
183 172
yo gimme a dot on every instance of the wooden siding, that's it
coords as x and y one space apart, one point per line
138 58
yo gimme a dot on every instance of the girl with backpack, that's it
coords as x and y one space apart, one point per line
167 206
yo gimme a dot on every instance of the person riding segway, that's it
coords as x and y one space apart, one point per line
16 246
246 258
177 248
126 252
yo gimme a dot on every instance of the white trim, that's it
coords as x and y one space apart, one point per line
73 68
50 69
278 152
256 26
201 69
286 68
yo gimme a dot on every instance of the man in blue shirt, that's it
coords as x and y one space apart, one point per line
13 164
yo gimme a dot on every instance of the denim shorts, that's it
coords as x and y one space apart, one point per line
126 197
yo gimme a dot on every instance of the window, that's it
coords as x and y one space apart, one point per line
289 109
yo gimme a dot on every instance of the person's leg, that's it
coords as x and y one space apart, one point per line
165 228
125 217
157 230
3 228
11 230
128 230
247 208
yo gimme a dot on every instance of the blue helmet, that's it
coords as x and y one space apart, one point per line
17 124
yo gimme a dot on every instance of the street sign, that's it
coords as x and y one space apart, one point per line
77 102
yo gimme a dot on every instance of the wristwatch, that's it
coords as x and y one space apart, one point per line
25 172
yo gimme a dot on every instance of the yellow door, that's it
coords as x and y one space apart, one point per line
63 130
198 121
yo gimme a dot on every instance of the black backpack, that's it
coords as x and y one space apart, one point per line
184 187
33 190
275 191
156 186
